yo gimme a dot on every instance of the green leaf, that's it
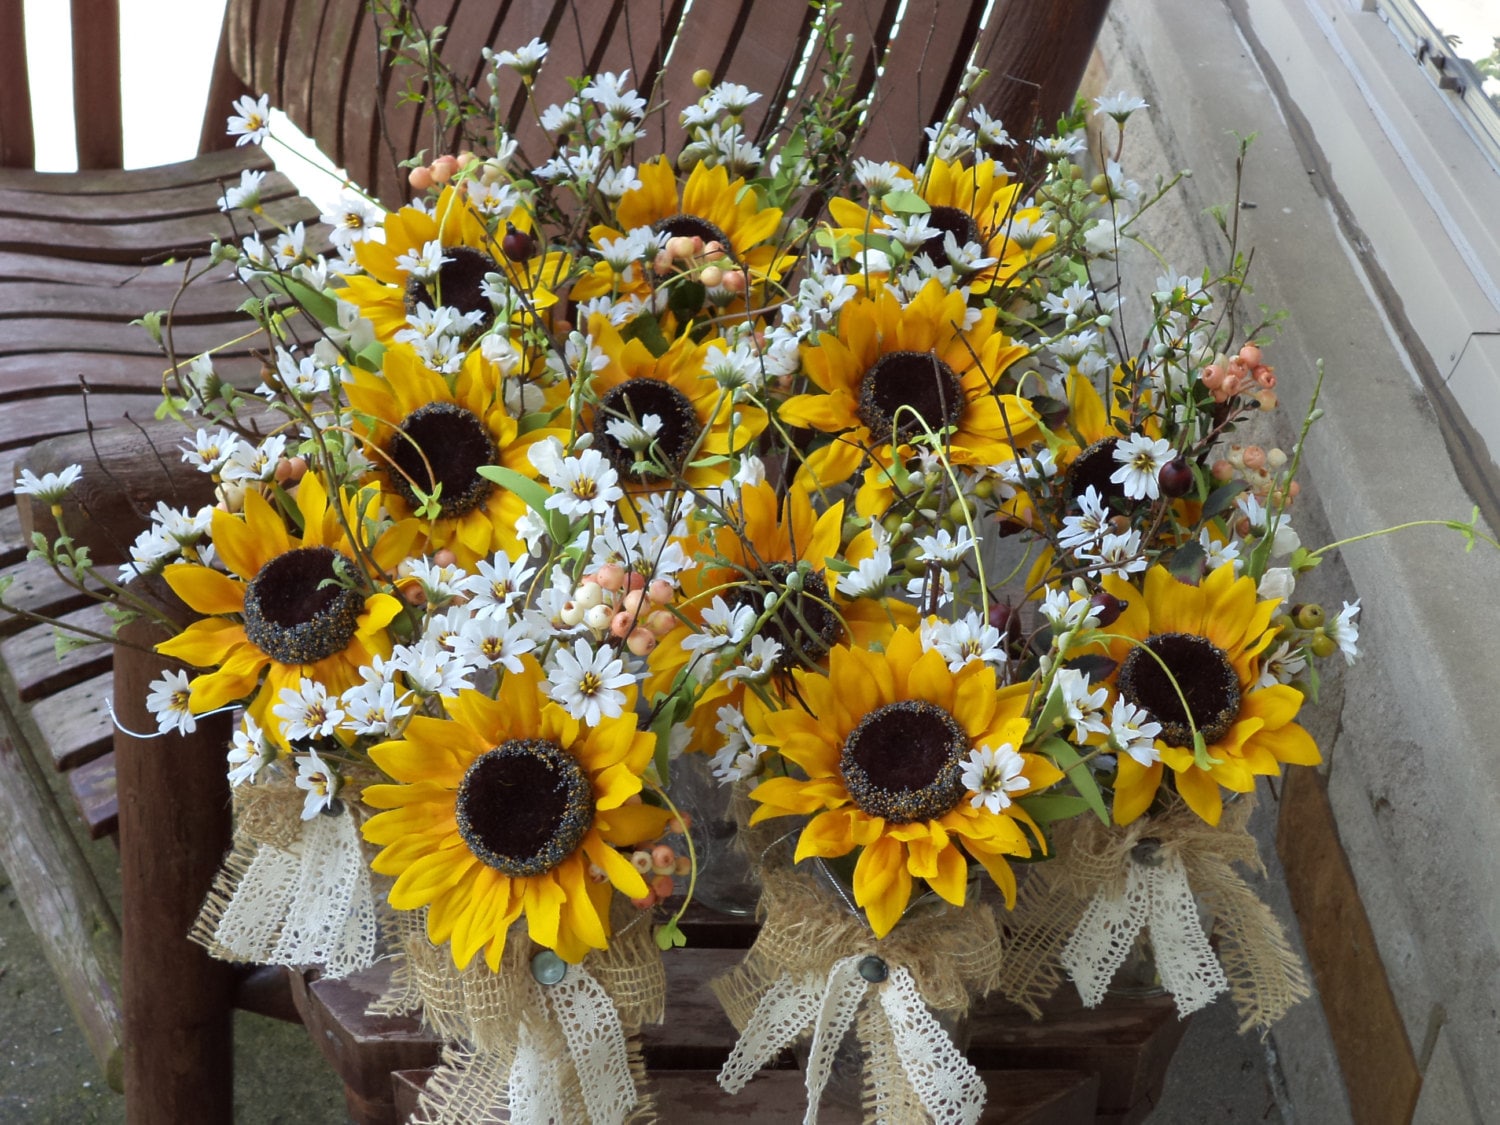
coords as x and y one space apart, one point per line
686 300
906 203
64 642
667 708
1187 561
151 322
318 305
1050 715
534 495
669 936
1066 755
647 330
1221 499
1048 808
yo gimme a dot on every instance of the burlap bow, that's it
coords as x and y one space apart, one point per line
1097 891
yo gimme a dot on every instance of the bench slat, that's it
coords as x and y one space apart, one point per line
95 795
75 722
31 656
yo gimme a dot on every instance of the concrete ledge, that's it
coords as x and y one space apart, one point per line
1414 782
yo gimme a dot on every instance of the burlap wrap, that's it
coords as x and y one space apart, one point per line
953 953
1265 977
268 814
481 1013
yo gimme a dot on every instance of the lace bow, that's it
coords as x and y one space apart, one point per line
1157 898
949 1088
580 1012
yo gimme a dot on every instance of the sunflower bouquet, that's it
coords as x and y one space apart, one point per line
862 483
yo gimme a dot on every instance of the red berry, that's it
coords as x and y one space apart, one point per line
517 245
1175 477
1109 607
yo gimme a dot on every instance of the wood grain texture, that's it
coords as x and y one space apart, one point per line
64 906
17 140
174 829
96 84
1379 1069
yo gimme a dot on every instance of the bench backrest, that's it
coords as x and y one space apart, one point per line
319 60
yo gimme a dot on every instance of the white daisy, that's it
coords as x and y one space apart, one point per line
251 120
1343 630
168 703
992 774
321 783
1141 459
306 711
587 683
49 488
249 752
1132 732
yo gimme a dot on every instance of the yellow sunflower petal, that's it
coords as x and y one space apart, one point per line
882 885
1135 788
544 898
1201 792
204 589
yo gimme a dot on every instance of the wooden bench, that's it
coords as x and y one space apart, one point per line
84 253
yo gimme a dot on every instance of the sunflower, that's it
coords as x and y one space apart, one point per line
975 203
884 740
277 611
700 421
387 292
710 206
508 806
753 557
427 434
893 372
1209 637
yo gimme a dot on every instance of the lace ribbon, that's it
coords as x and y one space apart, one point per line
1157 897
950 1089
308 904
577 1016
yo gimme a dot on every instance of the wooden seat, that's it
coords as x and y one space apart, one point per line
83 254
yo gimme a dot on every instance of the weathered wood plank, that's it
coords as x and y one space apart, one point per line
75 723
1036 55
36 589
31 656
17 142
178 1022
146 240
125 207
923 66
202 170
225 87
63 904
96 796
36 374
97 122
363 1049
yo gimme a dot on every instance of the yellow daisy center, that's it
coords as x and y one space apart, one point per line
1202 672
904 762
524 807
903 394
442 445
296 611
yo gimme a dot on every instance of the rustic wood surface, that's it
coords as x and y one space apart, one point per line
174 830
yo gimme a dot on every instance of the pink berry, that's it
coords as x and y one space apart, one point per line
1250 354
419 178
641 641
660 591
611 576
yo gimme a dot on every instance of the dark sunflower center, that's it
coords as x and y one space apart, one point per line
903 390
904 762
295 610
459 284
689 226
1094 466
805 624
524 807
444 444
1203 673
948 220
632 400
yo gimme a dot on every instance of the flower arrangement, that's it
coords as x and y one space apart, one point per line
858 482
